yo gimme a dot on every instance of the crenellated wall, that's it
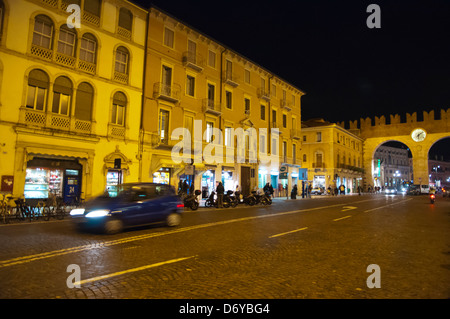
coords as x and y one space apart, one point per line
376 131
378 126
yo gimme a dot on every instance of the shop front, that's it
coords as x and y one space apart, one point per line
208 182
227 178
46 176
162 176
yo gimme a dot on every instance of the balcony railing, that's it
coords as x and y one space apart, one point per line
209 106
230 79
167 92
54 121
193 61
287 105
295 134
263 94
318 165
351 168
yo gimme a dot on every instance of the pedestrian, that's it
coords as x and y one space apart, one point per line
192 189
185 187
342 189
335 191
294 192
219 191
180 187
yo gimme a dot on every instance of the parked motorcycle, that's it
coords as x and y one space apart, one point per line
254 199
191 200
211 201
432 198
229 200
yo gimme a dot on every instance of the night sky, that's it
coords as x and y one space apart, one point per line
325 49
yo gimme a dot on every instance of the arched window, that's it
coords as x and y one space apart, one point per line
118 108
43 32
66 41
38 84
125 19
88 48
84 102
62 95
122 56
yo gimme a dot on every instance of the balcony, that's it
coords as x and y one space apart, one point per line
42 119
318 165
230 79
295 134
209 106
351 168
287 105
193 61
170 93
263 94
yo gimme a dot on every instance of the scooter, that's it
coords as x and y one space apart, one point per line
191 200
229 199
432 198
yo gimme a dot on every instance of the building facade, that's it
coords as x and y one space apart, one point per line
392 167
332 155
197 83
71 95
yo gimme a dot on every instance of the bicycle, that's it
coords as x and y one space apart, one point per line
52 208
22 210
5 208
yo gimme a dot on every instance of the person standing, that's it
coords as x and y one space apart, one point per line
220 190
294 192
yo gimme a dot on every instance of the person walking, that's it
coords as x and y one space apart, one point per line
220 190
294 192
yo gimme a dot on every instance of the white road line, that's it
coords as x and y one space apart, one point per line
64 251
335 220
369 210
85 281
288 232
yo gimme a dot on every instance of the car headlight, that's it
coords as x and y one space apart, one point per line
77 211
98 213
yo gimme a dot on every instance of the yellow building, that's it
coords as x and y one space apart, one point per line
332 155
70 98
195 82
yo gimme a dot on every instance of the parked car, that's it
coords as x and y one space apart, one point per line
424 189
317 191
390 191
135 204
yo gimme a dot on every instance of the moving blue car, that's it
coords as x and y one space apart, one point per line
135 204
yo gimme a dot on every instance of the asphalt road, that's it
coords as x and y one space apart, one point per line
310 248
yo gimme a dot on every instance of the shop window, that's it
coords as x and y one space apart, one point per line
38 84
62 94
162 176
43 32
118 108
84 102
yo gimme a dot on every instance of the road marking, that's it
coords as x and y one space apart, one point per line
369 210
346 208
115 274
288 232
335 220
64 251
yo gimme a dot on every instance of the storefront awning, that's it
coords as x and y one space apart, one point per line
35 151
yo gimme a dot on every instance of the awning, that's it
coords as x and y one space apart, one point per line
55 152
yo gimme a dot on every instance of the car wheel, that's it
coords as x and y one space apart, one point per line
113 226
174 219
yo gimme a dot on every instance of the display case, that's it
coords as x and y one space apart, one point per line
40 181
